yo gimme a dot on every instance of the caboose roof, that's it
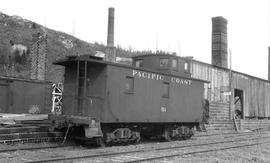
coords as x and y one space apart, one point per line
73 59
161 55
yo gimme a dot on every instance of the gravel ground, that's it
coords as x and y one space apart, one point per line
254 154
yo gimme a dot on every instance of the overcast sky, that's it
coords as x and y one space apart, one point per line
181 26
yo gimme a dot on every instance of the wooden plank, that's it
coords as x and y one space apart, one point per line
10 115
79 119
35 122
30 135
19 129
7 122
23 117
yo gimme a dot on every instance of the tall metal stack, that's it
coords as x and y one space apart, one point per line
110 49
219 42
38 56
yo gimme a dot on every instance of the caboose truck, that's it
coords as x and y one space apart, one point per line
117 103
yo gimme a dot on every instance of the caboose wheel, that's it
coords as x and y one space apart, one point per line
167 134
136 137
100 142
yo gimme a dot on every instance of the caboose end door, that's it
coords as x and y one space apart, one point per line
90 88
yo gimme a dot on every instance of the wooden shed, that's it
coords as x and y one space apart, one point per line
21 95
249 95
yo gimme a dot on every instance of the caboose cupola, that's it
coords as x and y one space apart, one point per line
170 64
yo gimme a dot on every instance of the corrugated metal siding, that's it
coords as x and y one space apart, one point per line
4 89
256 95
267 100
22 94
256 91
218 78
48 98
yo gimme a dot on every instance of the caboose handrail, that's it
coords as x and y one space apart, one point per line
87 97
95 96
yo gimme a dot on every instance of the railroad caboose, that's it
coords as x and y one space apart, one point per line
156 96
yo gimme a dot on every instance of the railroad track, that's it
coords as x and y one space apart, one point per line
150 154
32 148
178 154
31 140
227 134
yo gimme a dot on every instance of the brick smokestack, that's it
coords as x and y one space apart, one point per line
38 55
219 42
269 63
110 49
110 36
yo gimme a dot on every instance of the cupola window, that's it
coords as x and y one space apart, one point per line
163 62
139 63
174 64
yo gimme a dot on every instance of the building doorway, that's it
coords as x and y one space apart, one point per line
238 104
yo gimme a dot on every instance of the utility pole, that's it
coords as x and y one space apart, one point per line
230 85
232 111
179 48
156 41
73 28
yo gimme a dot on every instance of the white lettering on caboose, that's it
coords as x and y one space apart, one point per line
154 76
146 75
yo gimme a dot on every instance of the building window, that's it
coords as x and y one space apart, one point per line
163 62
139 63
129 87
174 64
165 90
186 67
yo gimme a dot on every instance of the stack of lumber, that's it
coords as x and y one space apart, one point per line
26 127
18 119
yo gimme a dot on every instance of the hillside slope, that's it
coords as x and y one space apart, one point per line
18 31
17 38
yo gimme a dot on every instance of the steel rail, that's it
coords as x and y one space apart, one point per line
139 151
43 139
203 144
31 148
194 152
228 133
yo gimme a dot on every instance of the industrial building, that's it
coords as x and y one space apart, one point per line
232 95
22 95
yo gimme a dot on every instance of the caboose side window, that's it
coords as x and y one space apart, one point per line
163 62
165 90
186 66
139 63
174 64
129 87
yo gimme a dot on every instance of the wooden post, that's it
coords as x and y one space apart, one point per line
76 98
84 87
232 111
